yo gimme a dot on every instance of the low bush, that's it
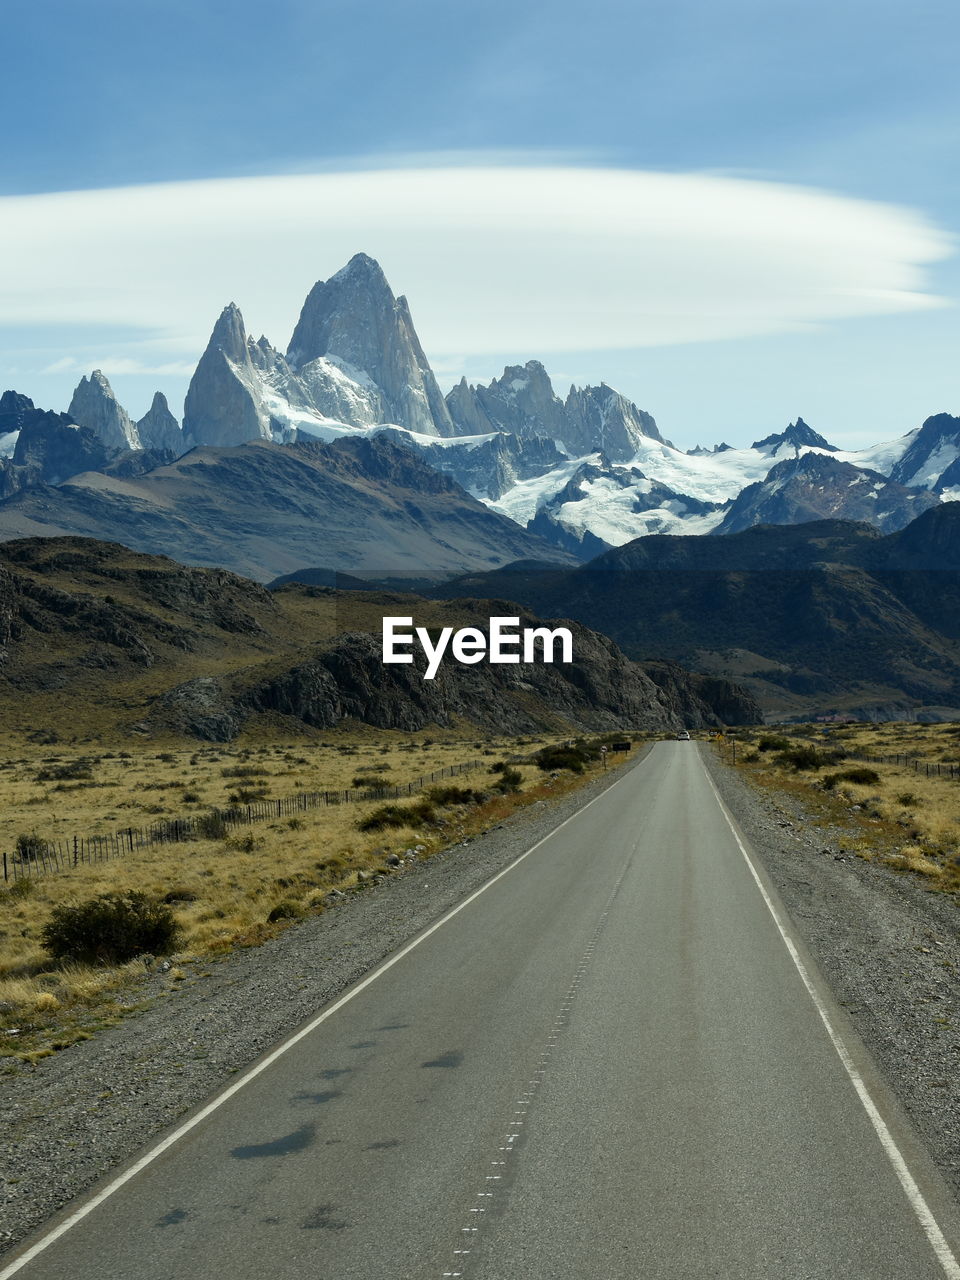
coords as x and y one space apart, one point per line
76 769
807 757
285 910
30 847
510 780
110 929
560 757
371 782
455 795
210 826
770 742
862 777
398 815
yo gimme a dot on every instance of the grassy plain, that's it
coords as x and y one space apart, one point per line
228 892
898 814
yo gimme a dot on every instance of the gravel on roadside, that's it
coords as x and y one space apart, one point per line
888 946
78 1115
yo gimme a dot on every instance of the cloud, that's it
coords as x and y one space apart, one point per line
494 258
118 366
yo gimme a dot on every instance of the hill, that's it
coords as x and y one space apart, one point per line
824 618
99 641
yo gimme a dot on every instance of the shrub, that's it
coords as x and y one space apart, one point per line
285 910
247 843
248 795
908 799
550 758
861 775
30 847
398 815
807 757
455 795
770 742
211 826
371 782
110 929
74 771
510 780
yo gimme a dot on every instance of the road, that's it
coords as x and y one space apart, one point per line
606 1064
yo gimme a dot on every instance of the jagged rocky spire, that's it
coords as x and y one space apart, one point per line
95 406
354 317
158 428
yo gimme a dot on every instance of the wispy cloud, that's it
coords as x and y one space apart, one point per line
117 365
524 258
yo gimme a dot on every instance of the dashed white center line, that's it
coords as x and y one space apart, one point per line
561 1021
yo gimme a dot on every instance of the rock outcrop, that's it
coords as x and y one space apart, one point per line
96 407
49 448
159 429
523 402
815 486
355 319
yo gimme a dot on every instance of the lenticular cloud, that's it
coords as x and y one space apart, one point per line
493 258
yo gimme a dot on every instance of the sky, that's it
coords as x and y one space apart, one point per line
735 214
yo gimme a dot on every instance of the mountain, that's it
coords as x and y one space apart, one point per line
817 486
583 473
125 643
354 361
159 429
95 406
933 449
45 448
354 320
798 435
523 403
814 619
263 509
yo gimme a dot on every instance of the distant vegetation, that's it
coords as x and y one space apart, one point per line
902 811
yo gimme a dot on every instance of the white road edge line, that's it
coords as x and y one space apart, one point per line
928 1222
173 1138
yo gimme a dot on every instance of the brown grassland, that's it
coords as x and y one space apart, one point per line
223 891
890 813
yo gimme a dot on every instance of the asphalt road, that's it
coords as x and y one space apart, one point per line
606 1064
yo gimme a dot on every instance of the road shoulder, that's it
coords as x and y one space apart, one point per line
889 949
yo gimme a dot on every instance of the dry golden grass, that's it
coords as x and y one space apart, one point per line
905 819
221 891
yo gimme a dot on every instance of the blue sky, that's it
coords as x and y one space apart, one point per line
848 99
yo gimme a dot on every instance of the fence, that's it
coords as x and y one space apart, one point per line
932 768
48 856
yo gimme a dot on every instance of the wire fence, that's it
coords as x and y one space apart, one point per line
932 768
35 856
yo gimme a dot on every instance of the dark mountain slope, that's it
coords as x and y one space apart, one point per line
98 640
817 618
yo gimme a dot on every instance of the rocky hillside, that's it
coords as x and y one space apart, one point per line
97 641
